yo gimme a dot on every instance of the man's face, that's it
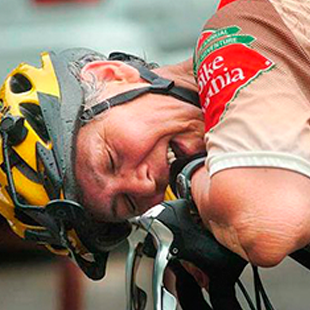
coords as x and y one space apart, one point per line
122 157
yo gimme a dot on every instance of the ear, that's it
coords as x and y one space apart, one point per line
109 71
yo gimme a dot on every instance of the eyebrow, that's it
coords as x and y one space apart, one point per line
112 207
95 162
94 172
95 165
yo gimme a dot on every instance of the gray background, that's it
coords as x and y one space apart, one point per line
159 30
35 285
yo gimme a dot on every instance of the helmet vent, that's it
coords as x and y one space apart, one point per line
33 114
20 84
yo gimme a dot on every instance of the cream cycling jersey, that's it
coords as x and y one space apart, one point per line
251 63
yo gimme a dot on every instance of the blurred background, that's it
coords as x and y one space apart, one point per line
159 30
162 31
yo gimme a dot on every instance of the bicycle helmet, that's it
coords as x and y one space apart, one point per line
41 112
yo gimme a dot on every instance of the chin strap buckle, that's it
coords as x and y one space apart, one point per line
14 127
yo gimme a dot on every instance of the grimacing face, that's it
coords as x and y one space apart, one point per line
122 164
122 159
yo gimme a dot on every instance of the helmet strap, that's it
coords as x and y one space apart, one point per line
158 85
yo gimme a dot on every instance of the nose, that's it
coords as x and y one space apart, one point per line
140 182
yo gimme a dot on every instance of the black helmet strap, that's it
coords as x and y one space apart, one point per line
158 85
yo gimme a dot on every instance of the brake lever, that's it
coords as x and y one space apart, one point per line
163 238
176 236
136 297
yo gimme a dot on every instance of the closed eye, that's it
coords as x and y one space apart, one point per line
130 203
111 161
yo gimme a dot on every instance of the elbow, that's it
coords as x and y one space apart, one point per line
262 216
266 243
263 253
261 247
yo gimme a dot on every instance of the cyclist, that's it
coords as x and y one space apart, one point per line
250 70
252 193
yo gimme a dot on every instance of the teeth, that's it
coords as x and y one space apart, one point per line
170 156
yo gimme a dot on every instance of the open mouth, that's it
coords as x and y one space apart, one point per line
173 152
171 157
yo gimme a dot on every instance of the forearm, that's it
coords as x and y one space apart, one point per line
261 216
224 233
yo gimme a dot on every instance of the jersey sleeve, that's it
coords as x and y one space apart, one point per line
226 60
222 3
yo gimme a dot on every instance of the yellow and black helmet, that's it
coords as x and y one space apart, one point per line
41 112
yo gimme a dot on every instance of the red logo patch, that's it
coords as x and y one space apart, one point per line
203 37
224 68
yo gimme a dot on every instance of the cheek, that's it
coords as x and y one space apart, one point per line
131 140
131 131
128 123
131 135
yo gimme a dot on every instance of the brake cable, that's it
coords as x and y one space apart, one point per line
260 291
